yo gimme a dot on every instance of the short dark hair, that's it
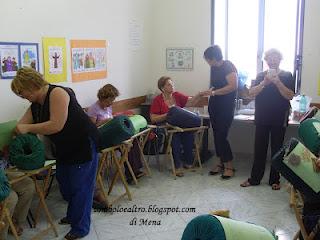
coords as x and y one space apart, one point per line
108 91
213 53
162 81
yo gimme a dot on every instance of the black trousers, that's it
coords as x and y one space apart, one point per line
221 117
261 142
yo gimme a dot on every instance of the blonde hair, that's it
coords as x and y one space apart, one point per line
273 52
27 79
108 91
162 81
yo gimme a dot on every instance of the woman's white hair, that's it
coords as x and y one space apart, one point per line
273 52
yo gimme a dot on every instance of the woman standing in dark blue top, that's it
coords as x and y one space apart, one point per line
55 112
272 91
223 83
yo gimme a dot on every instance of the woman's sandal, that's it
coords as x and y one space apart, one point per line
224 176
246 184
275 186
179 172
64 221
71 236
218 169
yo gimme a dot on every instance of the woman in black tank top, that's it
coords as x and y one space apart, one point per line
55 112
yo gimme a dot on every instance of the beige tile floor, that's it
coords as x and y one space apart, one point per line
259 205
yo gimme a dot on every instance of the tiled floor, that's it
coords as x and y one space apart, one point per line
259 205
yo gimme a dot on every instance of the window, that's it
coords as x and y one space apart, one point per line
245 29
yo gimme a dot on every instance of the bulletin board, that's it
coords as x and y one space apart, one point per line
179 59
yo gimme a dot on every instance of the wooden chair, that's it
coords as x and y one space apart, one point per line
297 203
110 157
198 136
41 191
141 138
6 216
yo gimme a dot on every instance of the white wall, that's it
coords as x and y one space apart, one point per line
166 23
128 70
311 51
181 23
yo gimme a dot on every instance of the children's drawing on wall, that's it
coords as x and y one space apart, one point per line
29 56
9 60
101 62
89 59
55 60
77 59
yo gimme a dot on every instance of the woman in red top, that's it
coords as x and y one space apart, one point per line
158 113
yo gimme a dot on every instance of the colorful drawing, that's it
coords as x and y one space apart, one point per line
89 59
29 56
14 55
101 63
9 60
54 51
77 59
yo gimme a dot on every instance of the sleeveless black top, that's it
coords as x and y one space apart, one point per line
72 143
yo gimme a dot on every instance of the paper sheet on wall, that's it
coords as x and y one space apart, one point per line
135 35
55 62
88 59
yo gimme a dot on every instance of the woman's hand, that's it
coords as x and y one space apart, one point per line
206 93
266 81
22 128
275 79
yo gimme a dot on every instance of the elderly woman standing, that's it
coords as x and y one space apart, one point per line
55 112
272 91
158 114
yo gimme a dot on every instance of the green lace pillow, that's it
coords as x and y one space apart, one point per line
26 152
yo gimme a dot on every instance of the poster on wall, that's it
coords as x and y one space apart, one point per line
15 55
179 59
88 59
29 55
55 64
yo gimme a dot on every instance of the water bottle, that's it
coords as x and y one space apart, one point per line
303 104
